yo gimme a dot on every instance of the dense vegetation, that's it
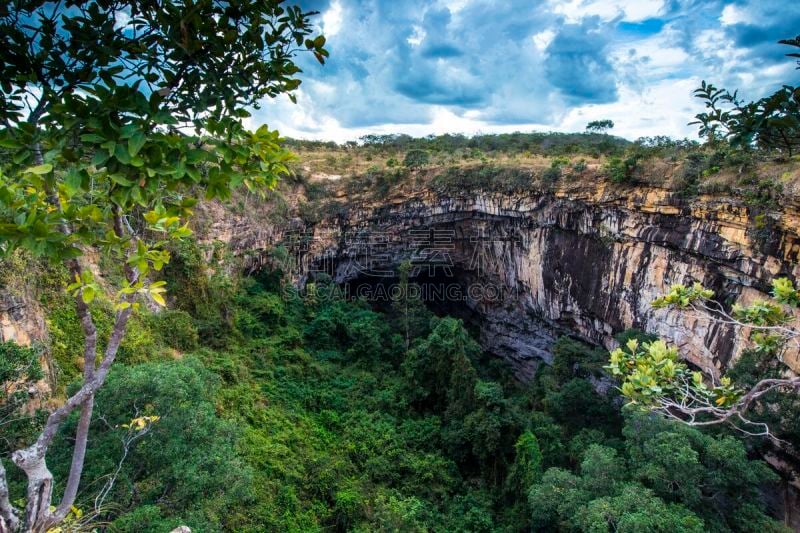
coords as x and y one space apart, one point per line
301 411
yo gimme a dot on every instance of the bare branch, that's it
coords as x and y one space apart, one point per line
696 410
127 440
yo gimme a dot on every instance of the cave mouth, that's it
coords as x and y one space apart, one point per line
465 279
443 292
490 311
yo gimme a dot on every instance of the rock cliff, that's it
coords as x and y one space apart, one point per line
585 260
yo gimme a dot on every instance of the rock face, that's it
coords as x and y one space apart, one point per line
583 260
21 319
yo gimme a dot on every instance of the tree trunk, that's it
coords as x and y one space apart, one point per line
76 468
40 489
38 517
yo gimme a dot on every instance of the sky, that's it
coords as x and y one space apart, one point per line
478 66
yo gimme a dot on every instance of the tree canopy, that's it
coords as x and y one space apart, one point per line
600 126
771 123
116 116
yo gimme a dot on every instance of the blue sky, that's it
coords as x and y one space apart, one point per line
436 66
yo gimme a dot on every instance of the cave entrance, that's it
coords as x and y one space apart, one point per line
443 291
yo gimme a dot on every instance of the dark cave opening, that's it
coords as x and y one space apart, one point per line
445 292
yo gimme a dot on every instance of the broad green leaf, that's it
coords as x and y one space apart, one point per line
88 294
135 143
9 143
120 180
73 181
39 169
100 157
21 156
93 138
122 154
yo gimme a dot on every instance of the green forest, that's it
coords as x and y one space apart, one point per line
280 410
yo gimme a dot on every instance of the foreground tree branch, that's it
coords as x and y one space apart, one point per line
138 129
654 376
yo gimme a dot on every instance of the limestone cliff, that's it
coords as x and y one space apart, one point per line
583 259
21 318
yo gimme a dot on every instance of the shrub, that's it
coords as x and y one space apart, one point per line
175 328
19 370
573 358
579 165
416 158
140 344
186 466
551 174
66 340
621 170
484 178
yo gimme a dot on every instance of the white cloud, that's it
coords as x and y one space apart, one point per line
332 19
650 58
629 10
663 108
417 37
732 14
543 39
714 42
436 66
121 19
638 10
456 5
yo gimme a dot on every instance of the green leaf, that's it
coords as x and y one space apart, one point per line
193 173
127 131
9 143
73 181
164 117
195 156
120 180
88 294
39 169
157 298
21 156
93 138
135 143
122 154
100 157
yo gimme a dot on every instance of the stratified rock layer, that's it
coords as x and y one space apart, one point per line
585 260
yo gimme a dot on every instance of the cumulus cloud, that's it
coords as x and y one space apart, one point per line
629 10
432 66
578 64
